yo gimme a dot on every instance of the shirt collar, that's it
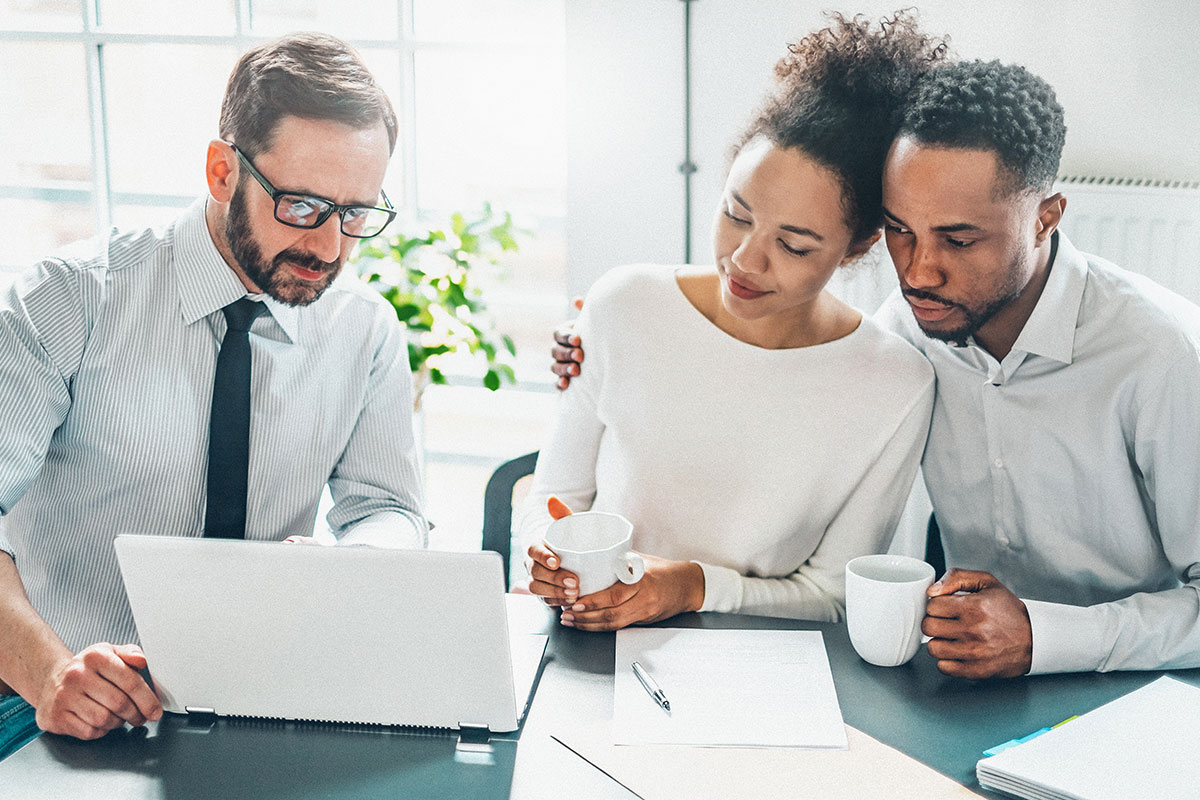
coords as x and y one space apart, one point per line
206 282
1050 329
287 317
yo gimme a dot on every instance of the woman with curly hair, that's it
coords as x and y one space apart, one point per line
776 433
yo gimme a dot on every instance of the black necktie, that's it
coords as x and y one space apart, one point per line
229 426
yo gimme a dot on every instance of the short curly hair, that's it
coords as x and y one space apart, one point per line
839 98
986 105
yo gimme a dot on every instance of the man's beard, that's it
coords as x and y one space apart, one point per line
974 318
275 279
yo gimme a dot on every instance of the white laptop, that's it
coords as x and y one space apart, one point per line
339 634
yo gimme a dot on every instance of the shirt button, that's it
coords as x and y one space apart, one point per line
998 463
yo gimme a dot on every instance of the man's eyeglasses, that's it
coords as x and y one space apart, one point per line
310 211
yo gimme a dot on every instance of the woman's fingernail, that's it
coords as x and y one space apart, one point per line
570 583
577 607
568 617
552 562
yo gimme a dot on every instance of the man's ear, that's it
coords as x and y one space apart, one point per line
221 170
1050 213
859 249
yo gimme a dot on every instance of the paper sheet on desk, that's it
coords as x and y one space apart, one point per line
868 769
727 688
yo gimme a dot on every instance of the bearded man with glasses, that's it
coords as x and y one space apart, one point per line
207 379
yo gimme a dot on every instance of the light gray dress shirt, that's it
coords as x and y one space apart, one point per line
107 356
1071 468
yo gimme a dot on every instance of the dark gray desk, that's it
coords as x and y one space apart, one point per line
941 721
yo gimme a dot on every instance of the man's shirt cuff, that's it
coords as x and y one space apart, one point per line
1065 638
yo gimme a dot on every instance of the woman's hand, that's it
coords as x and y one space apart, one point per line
668 588
556 587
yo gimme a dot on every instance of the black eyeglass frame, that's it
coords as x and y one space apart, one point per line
277 194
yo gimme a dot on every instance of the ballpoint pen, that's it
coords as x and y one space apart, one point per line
651 687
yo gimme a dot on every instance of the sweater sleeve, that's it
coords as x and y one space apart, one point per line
566 465
864 524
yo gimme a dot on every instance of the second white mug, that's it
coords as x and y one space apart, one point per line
885 603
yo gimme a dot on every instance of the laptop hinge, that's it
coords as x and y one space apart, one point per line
473 733
200 710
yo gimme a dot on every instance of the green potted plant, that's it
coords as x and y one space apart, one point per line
431 279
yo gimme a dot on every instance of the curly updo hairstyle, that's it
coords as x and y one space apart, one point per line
992 106
839 97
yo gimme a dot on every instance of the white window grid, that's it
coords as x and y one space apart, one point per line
94 37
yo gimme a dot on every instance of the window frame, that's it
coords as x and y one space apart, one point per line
94 37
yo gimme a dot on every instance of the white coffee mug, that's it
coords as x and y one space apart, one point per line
885 603
595 546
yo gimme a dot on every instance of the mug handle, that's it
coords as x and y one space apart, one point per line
634 569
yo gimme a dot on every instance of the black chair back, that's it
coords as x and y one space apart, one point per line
497 507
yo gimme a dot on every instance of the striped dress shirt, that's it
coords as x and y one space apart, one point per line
107 356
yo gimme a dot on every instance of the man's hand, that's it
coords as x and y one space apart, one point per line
668 588
980 629
95 691
566 351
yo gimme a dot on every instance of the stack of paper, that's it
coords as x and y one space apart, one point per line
1142 745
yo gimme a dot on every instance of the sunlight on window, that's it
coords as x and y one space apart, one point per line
158 131
490 126
44 136
32 230
350 19
168 16
40 15
530 21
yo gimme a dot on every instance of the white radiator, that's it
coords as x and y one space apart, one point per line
1151 227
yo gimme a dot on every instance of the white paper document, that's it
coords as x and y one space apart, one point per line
868 770
1142 745
727 688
